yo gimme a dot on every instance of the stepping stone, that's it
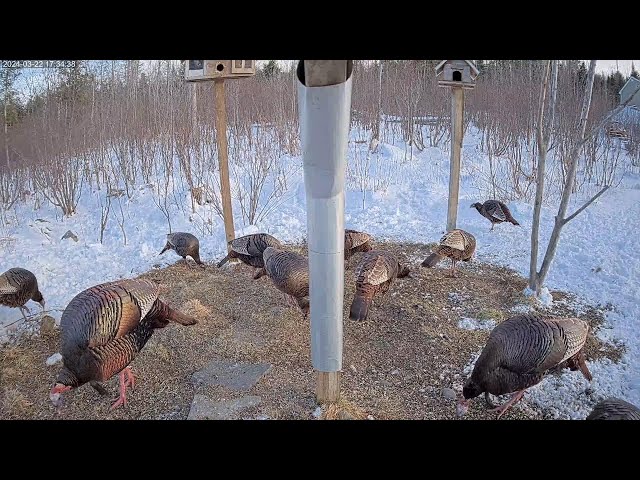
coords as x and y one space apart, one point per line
239 376
203 408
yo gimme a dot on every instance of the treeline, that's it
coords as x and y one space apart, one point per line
114 123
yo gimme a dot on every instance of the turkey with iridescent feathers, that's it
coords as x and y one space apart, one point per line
17 287
103 328
518 354
249 250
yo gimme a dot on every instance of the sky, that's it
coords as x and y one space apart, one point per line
603 66
608 66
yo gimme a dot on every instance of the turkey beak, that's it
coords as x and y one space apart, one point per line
56 397
56 394
462 407
41 302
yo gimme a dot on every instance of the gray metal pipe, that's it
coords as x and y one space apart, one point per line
324 113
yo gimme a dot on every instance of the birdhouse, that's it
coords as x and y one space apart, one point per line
457 73
200 70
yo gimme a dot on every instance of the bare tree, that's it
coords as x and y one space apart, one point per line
543 136
537 280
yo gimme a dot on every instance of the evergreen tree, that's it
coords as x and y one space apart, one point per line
8 95
634 72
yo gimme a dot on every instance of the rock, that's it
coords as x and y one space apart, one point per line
238 376
449 393
203 408
370 417
47 325
53 359
317 412
70 235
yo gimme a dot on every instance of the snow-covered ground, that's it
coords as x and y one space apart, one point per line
402 199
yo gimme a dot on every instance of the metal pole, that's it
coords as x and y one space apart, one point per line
457 111
221 139
324 93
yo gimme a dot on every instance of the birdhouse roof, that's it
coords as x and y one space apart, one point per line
628 82
440 66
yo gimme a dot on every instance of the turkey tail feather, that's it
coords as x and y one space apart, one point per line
360 307
223 261
432 260
175 316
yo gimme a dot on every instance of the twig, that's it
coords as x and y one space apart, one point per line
594 198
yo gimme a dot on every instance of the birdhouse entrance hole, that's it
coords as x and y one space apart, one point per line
457 76
220 67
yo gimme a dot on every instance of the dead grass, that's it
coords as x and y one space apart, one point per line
343 410
395 364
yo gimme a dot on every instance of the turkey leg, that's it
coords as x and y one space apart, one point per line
453 269
129 382
512 401
22 309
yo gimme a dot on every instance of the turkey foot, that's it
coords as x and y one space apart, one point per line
122 400
512 401
22 309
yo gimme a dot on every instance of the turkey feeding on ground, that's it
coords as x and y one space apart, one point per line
17 287
456 245
375 273
249 250
518 354
103 328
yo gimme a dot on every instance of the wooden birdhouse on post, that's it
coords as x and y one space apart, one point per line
218 71
459 75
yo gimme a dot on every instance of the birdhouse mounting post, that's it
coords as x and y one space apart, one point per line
218 71
223 160
457 112
324 98
459 75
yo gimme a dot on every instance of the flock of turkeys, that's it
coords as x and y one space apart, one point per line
104 327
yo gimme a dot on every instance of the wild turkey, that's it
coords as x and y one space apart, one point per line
249 250
289 272
184 244
103 328
375 273
17 287
457 245
495 211
518 354
614 409
355 241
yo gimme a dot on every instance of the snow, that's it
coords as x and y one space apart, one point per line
545 298
476 324
394 197
53 359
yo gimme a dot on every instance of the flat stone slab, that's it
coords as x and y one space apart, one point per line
203 408
239 376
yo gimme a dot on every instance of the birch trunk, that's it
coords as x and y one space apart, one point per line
543 133
571 176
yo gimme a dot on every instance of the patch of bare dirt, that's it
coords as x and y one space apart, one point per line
396 364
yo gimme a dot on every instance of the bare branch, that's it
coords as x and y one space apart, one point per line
593 199
603 122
